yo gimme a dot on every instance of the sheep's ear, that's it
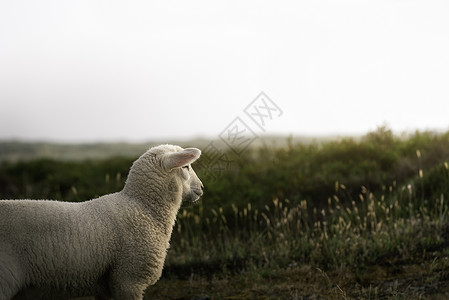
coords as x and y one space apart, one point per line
181 158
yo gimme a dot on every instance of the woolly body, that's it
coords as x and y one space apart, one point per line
112 246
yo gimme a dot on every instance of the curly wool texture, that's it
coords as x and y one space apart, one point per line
110 247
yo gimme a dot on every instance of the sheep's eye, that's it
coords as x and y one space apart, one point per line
186 167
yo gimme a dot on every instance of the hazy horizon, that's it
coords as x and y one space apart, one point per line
90 71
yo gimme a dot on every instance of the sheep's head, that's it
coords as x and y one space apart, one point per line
165 169
178 163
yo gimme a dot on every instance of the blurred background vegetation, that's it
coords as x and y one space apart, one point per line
325 208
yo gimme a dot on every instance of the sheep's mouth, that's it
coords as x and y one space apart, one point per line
192 198
196 195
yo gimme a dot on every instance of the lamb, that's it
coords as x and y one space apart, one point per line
113 246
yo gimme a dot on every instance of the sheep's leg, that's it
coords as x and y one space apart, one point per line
7 291
11 276
126 287
128 291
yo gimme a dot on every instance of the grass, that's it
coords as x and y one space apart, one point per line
367 242
346 219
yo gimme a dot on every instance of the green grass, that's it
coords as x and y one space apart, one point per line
365 219
394 227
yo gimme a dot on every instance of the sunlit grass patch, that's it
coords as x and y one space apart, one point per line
396 226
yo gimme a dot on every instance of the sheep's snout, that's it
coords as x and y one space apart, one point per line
198 192
194 188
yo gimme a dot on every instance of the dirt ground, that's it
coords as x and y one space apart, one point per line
411 281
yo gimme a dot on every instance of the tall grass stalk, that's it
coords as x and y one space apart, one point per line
392 227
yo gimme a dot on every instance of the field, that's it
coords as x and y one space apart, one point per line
342 219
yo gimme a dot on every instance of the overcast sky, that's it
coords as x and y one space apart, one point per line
140 70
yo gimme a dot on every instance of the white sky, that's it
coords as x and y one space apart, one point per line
139 70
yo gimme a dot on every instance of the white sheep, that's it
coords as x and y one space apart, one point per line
110 247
